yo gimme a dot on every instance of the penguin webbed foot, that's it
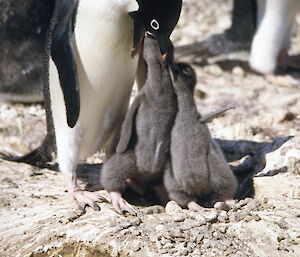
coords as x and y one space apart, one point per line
120 205
81 199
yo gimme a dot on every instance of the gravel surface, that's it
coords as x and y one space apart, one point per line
36 218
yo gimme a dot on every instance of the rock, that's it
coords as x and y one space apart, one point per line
223 217
184 252
135 246
173 208
212 216
214 70
238 71
179 217
160 228
252 205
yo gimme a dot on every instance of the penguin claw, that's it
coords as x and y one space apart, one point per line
81 199
120 205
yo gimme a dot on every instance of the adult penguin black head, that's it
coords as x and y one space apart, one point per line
157 17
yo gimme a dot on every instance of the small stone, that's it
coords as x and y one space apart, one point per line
223 217
169 245
238 71
135 246
252 205
223 229
184 252
231 232
212 217
188 224
172 207
153 209
221 206
115 245
214 70
135 232
243 202
179 217
136 221
238 216
280 237
207 243
199 238
256 217
160 228
248 218
200 94
226 242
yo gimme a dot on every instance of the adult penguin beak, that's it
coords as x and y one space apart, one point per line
163 42
138 33
62 53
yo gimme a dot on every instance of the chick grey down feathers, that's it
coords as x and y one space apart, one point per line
198 166
145 136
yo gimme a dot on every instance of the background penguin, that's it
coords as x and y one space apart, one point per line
272 39
23 28
59 46
144 143
262 26
234 39
198 167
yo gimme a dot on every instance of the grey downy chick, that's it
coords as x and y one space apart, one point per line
198 166
145 134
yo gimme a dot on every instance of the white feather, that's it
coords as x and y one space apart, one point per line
274 25
106 71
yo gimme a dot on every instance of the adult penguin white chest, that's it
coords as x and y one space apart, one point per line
102 42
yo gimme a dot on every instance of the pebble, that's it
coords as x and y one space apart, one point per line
172 208
179 217
188 224
200 94
223 217
136 221
238 71
160 228
115 245
252 205
199 238
256 217
243 202
239 215
214 70
212 217
153 209
135 246
184 252
221 206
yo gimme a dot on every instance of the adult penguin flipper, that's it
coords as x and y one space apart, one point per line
128 125
62 53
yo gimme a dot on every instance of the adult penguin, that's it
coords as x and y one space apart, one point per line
93 73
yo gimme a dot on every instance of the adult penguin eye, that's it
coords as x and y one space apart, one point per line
154 24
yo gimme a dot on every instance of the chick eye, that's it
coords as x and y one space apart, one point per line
187 72
154 24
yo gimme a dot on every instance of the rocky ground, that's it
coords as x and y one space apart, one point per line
36 217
